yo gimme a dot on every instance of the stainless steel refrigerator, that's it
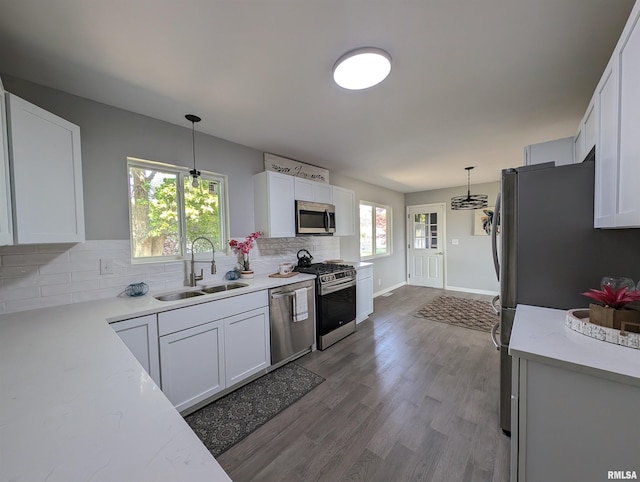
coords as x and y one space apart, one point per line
547 252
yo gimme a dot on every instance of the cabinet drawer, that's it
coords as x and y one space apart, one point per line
184 318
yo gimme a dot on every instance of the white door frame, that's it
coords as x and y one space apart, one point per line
444 238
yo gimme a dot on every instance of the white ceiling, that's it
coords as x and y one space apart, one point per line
472 82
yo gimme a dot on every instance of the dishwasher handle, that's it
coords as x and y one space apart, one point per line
284 294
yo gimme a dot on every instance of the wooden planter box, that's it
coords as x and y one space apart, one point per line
611 318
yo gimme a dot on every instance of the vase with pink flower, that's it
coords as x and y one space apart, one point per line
242 250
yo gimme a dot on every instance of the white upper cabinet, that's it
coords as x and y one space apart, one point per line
46 174
345 202
559 151
617 204
317 192
587 133
274 203
607 147
6 228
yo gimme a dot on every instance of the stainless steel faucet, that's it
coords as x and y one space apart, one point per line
193 277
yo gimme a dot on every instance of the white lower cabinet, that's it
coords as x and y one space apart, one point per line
247 344
364 293
193 364
568 424
210 347
141 337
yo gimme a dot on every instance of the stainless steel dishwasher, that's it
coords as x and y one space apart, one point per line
291 338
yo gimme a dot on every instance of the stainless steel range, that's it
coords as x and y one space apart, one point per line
335 301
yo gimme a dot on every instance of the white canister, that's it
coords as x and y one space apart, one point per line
285 268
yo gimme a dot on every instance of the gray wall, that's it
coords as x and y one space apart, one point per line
469 264
390 270
110 135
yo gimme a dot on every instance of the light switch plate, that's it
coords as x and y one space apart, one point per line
455 242
106 266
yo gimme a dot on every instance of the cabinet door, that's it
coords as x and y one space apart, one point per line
318 192
303 190
345 202
364 294
141 337
607 148
192 364
628 214
590 123
47 175
6 228
274 204
247 345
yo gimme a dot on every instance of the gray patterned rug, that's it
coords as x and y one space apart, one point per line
225 422
472 314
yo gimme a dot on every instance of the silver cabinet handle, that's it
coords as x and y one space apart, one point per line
494 329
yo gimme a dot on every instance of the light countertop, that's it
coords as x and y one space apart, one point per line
540 334
75 404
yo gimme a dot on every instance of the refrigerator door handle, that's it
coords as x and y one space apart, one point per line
494 329
494 304
494 236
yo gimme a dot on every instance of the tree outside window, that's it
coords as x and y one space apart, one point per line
375 230
167 213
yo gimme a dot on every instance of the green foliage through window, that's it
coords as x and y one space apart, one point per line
167 213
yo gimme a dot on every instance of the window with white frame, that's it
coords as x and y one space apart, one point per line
375 230
167 213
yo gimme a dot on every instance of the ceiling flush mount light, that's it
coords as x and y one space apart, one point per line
470 201
362 68
194 173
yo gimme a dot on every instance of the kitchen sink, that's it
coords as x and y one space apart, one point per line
180 295
224 287
183 295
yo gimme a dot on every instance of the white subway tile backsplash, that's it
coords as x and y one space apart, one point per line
22 293
33 259
38 276
52 290
33 279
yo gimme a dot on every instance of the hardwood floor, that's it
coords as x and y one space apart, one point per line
404 399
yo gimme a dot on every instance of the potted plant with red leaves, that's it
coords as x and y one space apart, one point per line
242 250
612 310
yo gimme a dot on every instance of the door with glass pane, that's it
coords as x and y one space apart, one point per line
425 253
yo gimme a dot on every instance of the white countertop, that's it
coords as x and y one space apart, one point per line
540 334
76 405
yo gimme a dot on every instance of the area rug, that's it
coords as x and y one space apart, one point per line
223 423
472 314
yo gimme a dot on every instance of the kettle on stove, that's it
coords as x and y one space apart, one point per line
304 261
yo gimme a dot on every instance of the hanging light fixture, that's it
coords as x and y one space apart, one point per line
194 173
475 201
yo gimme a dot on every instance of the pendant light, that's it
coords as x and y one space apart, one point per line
475 201
194 173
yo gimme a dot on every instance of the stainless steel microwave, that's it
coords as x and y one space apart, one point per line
315 218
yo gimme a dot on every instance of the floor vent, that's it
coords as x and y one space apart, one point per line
388 294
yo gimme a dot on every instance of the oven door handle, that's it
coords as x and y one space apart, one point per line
325 290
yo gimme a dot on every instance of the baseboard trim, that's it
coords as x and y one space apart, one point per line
391 288
471 290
